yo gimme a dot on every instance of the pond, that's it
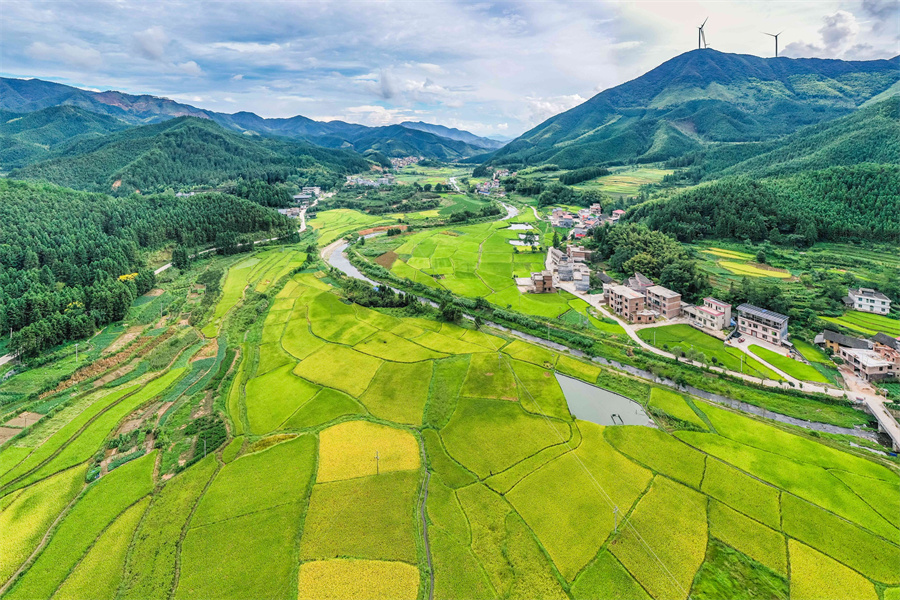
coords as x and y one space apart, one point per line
520 226
597 405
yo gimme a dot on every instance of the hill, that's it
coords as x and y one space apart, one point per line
26 95
455 134
185 152
700 97
869 135
29 137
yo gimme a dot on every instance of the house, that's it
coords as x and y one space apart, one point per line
627 303
714 314
184 194
835 341
886 340
616 215
314 190
579 233
869 364
542 282
639 283
579 253
664 301
298 198
596 209
763 324
868 300
555 255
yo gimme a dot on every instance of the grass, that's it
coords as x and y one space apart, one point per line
398 392
367 517
488 377
99 573
750 537
346 579
150 569
341 368
727 573
606 577
348 450
866 323
257 481
658 451
742 492
488 436
260 561
685 338
811 353
324 407
578 369
815 576
95 510
676 538
573 526
25 520
794 368
675 405
872 556
274 397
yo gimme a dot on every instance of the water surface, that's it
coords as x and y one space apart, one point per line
597 405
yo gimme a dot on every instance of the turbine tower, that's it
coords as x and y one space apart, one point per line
775 35
701 35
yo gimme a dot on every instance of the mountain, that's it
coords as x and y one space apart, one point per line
869 135
25 95
455 134
29 137
697 98
187 151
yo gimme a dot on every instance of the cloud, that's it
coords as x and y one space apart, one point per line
387 87
541 109
189 68
885 15
77 56
151 43
838 39
249 47
237 77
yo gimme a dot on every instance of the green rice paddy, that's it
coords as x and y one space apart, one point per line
336 411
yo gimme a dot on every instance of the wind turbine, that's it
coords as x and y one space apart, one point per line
701 35
775 35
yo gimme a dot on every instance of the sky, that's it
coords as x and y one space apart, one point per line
493 68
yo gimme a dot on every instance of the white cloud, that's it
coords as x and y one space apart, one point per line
541 109
837 39
237 77
249 47
151 43
189 68
76 56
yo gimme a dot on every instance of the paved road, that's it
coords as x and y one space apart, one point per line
452 181
511 211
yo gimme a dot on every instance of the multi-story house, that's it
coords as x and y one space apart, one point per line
869 300
869 364
664 301
628 303
763 324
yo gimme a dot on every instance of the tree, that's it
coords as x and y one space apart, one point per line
761 257
181 259
449 312
556 241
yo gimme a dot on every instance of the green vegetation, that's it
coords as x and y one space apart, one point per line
815 575
674 405
867 324
727 573
792 367
764 545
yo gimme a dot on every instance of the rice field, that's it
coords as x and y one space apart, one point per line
332 224
336 411
794 368
626 182
866 323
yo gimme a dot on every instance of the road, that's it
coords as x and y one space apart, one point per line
202 252
452 181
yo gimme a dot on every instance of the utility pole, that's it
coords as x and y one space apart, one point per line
204 447
377 470
76 353
616 519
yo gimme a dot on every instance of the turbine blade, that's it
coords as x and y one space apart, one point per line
703 35
704 22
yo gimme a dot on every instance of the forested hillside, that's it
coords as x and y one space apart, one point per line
871 134
861 202
29 137
696 98
185 152
72 261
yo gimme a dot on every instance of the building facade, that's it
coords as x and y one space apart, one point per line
869 300
870 365
664 301
626 302
714 314
763 324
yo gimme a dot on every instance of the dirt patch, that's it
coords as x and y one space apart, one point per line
450 233
382 228
207 351
23 419
387 259
113 375
193 295
123 340
116 184
130 426
7 433
155 292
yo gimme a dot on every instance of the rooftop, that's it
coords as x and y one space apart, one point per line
762 313
712 300
627 292
661 291
883 338
845 340
868 293
868 358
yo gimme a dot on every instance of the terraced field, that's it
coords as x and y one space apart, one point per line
334 419
867 323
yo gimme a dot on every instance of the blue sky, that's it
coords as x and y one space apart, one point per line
492 68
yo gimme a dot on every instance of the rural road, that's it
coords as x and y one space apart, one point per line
452 181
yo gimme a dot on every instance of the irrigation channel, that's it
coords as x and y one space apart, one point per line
338 259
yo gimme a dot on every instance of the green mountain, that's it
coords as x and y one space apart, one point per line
185 152
698 98
25 95
869 135
455 134
29 137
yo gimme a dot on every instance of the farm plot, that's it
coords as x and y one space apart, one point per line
274 397
349 450
324 407
867 323
792 367
814 576
345 579
626 182
742 533
341 368
674 405
398 392
332 224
